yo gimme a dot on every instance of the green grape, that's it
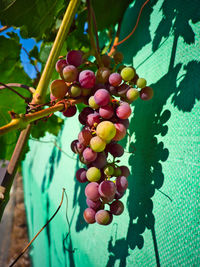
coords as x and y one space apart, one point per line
74 91
106 130
117 172
109 170
93 174
92 103
127 73
141 83
132 94
97 144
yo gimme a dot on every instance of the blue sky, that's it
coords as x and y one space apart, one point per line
28 44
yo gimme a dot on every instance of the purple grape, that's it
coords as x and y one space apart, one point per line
102 97
100 161
95 205
125 171
118 195
93 118
121 184
112 90
117 207
77 147
84 113
81 175
107 200
87 78
60 64
89 155
124 122
116 150
89 215
74 57
107 189
115 79
106 112
70 73
123 111
146 93
92 192
84 137
122 89
120 131
70 111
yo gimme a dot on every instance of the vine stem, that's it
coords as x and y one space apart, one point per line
38 98
30 89
14 91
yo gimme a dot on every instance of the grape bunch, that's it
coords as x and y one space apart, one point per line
107 92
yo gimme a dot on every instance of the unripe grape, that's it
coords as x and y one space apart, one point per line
109 170
70 73
117 172
132 94
141 82
58 88
106 130
93 174
127 73
102 75
74 91
97 144
92 103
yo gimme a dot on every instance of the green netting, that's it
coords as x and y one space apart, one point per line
153 229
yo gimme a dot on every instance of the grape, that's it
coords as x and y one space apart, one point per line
135 78
123 111
84 113
141 82
95 205
132 94
70 73
116 150
118 195
125 171
89 215
93 174
58 88
146 93
120 131
106 130
107 188
77 147
102 75
122 89
109 170
97 144
93 118
106 60
81 175
74 91
107 200
92 192
124 122
70 111
102 217
89 155
87 78
74 57
117 172
102 97
115 79
86 92
117 207
100 161
83 160
60 64
121 184
112 90
127 73
84 137
118 57
92 103
106 112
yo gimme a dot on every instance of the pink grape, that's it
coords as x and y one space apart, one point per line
95 205
89 155
92 192
106 112
115 79
123 111
107 189
87 78
146 93
60 64
125 171
74 57
77 147
89 215
93 118
102 217
70 111
116 207
100 161
116 150
81 175
70 73
121 184
102 97
120 131
84 137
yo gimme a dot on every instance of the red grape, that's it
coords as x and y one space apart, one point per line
87 78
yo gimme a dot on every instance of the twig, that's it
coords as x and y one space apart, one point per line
24 250
113 48
4 28
30 89
164 194
14 91
95 29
